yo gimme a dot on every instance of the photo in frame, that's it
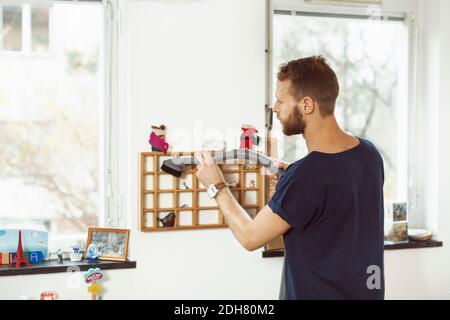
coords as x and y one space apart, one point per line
112 243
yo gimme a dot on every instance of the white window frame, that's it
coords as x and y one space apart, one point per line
409 14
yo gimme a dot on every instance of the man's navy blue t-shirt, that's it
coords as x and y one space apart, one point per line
334 205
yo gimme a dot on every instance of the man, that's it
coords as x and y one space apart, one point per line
328 206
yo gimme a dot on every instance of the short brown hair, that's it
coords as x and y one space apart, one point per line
312 77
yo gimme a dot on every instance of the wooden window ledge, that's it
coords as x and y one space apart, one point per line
53 266
398 246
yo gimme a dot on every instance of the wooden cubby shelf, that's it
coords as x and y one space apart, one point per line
161 194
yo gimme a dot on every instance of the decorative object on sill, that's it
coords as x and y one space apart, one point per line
92 277
76 255
252 184
184 206
48 295
34 244
420 234
161 194
93 253
19 257
157 139
112 243
168 220
249 137
395 222
59 253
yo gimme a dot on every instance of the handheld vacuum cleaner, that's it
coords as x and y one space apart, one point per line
175 166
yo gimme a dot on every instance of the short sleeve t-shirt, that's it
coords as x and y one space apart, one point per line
334 205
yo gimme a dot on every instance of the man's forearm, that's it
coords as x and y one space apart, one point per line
237 218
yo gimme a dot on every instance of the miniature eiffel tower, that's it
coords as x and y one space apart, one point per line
19 258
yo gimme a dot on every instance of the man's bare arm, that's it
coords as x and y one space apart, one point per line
252 234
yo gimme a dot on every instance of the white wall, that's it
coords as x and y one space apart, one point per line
199 65
425 274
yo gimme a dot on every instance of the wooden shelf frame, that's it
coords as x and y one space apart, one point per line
196 189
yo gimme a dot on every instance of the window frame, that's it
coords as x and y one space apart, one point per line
409 19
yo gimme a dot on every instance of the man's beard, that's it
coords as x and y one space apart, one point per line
294 124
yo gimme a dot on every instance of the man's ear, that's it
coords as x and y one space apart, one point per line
307 106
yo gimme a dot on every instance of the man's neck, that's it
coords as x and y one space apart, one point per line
327 137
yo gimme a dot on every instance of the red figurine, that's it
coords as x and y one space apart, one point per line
249 137
19 258
157 139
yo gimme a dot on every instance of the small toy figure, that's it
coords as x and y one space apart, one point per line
157 139
19 256
76 255
249 137
93 253
168 221
185 185
60 256
48 295
92 276
252 184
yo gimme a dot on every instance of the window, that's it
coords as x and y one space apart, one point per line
372 73
25 28
51 113
12 28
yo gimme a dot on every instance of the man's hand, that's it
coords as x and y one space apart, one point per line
279 164
207 172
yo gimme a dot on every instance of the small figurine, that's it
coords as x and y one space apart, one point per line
48 295
168 221
185 185
249 137
93 253
183 206
252 184
19 256
92 276
60 256
157 139
76 255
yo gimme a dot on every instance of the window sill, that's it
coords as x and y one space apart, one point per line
53 266
399 246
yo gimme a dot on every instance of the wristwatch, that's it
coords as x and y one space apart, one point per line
214 189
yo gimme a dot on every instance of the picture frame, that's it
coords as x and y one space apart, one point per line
112 243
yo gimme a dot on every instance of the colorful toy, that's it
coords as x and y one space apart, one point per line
35 256
93 252
157 139
48 295
91 277
249 137
19 258
34 244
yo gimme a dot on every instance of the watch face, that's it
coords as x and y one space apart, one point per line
212 191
